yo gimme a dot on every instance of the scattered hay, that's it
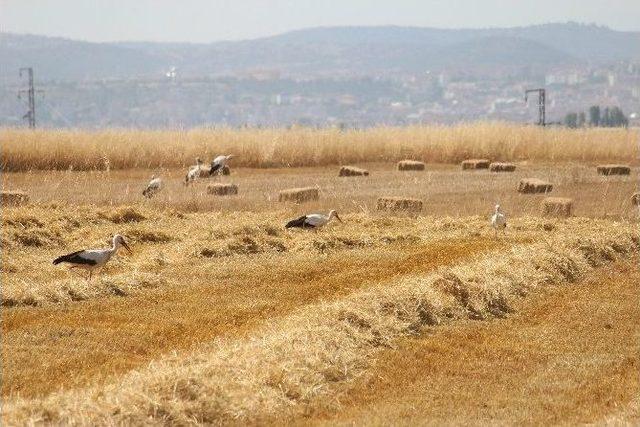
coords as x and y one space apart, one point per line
14 198
557 206
396 204
125 214
475 164
220 189
8 266
149 236
613 170
37 237
411 165
635 199
502 167
352 171
23 221
245 245
534 186
322 348
78 289
299 195
127 283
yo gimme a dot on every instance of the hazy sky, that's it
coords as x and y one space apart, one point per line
205 21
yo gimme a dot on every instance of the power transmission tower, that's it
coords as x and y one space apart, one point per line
31 97
542 101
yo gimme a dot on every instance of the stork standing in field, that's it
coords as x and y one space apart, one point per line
92 259
154 186
219 163
194 171
313 221
498 220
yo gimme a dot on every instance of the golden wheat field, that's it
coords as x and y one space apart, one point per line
264 148
222 316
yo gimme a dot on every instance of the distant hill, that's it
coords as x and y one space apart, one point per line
331 51
62 59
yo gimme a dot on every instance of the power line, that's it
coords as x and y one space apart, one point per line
542 102
31 97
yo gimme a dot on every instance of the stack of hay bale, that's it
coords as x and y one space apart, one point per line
219 189
299 195
352 171
557 206
613 170
534 186
411 165
502 167
471 164
399 204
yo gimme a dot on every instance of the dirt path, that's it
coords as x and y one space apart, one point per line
76 344
569 355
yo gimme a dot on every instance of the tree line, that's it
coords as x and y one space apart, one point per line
598 117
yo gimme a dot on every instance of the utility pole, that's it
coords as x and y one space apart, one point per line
31 97
542 101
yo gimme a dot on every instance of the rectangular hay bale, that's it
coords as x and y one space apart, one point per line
220 189
557 206
411 165
299 195
613 170
352 171
475 164
399 204
534 186
14 198
502 167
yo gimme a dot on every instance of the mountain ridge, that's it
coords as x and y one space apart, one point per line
324 51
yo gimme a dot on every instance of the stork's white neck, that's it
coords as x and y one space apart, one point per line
115 245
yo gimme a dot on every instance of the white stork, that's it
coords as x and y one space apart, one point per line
154 186
219 163
92 259
194 171
498 220
313 221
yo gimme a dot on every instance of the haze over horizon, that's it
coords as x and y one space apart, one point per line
201 21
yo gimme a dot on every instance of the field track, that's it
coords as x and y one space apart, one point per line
569 356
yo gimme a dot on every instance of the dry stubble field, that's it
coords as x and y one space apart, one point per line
220 315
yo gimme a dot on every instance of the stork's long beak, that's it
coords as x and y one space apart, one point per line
124 244
338 218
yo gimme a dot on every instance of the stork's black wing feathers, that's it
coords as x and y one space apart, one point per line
214 168
299 222
74 258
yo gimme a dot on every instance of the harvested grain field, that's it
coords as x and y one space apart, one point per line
539 366
443 188
220 315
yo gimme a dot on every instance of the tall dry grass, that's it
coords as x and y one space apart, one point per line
124 149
